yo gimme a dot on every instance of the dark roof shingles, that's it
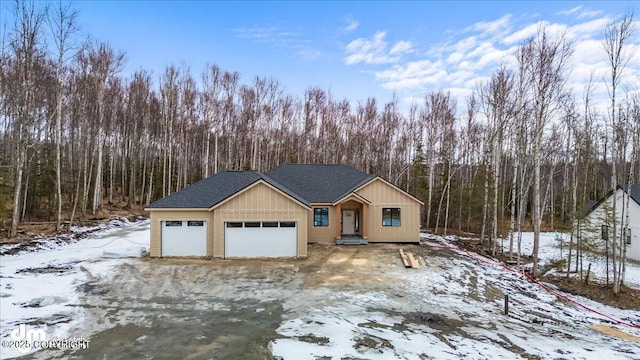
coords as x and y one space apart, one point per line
307 183
319 183
216 188
209 191
635 192
635 196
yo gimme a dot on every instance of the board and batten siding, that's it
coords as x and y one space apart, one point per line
157 216
383 195
260 202
323 234
601 216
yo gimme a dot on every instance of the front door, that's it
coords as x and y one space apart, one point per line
348 222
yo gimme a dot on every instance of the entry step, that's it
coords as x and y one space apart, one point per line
352 242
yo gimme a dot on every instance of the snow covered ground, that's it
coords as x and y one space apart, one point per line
455 313
39 287
341 302
555 246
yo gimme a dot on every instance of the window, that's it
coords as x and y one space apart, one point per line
173 223
321 217
390 216
234 224
270 224
195 223
628 235
252 224
287 224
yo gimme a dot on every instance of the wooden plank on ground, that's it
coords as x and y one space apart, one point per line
422 262
404 258
412 260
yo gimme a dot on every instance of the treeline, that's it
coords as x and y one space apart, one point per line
77 134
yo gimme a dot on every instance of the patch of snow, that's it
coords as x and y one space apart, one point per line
40 288
124 253
460 316
555 246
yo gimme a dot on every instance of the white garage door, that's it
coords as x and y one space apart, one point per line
184 238
260 239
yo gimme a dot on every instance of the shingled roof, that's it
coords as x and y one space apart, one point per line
634 191
210 191
319 183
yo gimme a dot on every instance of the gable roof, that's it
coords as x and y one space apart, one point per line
634 191
319 183
389 183
210 191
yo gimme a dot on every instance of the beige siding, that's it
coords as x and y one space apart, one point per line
258 203
325 234
383 195
157 216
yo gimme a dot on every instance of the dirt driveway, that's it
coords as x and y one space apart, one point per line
356 302
197 309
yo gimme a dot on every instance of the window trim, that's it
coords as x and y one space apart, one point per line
324 215
393 214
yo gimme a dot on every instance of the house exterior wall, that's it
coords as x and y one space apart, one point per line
323 234
602 215
259 203
382 195
158 215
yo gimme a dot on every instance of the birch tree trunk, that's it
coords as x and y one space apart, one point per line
617 35
26 42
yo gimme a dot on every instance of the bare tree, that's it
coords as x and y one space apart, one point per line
497 101
27 47
63 25
617 35
546 60
105 63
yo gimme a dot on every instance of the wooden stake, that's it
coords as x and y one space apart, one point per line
506 304
586 279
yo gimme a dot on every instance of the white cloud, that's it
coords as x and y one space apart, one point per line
469 57
351 26
455 58
524 33
570 11
289 40
466 44
589 13
491 27
374 51
460 77
401 47
589 29
589 52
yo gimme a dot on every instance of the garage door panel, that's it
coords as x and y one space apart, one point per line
188 239
260 241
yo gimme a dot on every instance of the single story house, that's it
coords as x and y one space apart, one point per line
276 214
601 213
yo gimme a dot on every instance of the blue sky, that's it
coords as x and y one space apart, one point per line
356 49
